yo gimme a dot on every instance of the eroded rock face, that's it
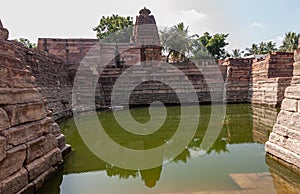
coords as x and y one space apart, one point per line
29 137
284 141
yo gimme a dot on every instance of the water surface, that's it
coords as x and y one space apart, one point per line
238 150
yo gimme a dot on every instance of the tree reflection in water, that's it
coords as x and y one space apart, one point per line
239 128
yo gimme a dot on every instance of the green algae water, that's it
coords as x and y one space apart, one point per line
235 162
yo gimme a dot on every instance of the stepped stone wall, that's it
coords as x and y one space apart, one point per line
237 80
52 77
270 77
284 141
150 91
31 144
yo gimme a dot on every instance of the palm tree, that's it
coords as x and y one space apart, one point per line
254 50
290 42
237 53
262 48
176 41
270 47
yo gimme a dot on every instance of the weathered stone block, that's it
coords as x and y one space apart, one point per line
289 105
25 112
286 142
295 121
40 165
24 133
29 189
4 121
284 117
17 96
292 92
61 140
5 80
40 180
283 154
46 124
15 182
66 150
296 71
2 148
40 146
22 78
13 162
55 129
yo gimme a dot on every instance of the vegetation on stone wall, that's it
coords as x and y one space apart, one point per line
27 43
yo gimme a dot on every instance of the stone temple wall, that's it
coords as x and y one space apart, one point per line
260 82
284 141
31 144
270 77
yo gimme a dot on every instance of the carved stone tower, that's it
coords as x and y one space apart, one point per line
146 36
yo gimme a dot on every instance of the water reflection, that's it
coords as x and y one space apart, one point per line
285 179
234 151
264 119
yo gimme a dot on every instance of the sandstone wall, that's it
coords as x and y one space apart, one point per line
237 80
148 92
52 77
31 144
270 77
284 141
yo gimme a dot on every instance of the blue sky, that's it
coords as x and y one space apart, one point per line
246 21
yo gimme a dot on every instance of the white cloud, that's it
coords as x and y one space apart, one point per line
298 9
256 24
194 19
192 15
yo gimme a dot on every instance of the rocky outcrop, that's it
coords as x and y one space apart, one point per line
284 141
29 138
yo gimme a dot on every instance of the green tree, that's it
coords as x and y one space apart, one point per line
253 50
270 47
236 53
26 43
290 42
213 45
114 28
176 42
261 48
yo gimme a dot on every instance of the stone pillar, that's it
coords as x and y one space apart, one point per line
284 141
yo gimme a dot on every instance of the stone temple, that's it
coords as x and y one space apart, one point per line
36 88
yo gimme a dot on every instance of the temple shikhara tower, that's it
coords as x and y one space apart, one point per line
145 35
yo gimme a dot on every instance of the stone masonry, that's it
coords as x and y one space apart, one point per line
260 82
270 77
31 144
284 141
237 80
52 77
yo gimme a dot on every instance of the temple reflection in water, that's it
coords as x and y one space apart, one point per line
244 126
